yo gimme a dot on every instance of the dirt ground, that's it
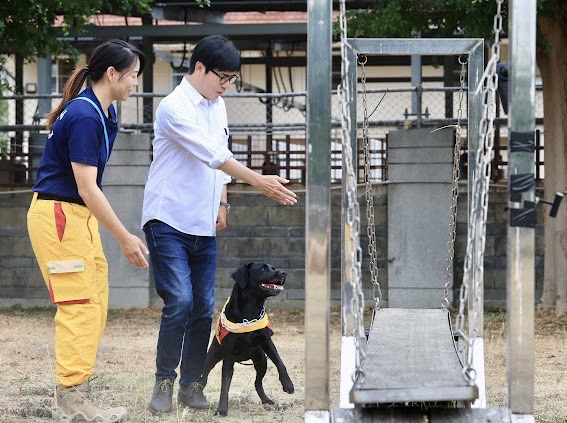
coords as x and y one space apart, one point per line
125 368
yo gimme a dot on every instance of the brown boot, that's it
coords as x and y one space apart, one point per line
72 405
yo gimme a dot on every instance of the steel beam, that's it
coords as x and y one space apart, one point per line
318 210
521 235
190 32
348 328
414 46
475 70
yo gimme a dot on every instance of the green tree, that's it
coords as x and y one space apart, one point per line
28 27
474 18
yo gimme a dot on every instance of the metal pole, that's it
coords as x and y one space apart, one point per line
475 69
318 212
348 346
448 69
269 100
19 71
416 80
44 70
521 229
148 77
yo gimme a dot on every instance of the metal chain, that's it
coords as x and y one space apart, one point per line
476 239
352 220
455 189
370 229
245 323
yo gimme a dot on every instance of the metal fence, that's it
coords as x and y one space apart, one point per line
267 130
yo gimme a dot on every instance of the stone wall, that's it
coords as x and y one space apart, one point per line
259 229
124 180
20 278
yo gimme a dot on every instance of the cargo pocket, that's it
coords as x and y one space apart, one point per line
68 283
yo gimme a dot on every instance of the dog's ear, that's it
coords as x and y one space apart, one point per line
240 275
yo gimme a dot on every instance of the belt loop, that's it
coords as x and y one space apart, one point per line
34 200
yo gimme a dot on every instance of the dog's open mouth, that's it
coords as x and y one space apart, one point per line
272 286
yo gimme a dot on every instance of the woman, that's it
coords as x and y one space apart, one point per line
63 218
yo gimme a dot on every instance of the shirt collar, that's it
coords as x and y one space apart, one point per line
88 92
193 94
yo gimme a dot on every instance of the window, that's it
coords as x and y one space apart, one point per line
177 75
60 72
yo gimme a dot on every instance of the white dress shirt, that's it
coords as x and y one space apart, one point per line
184 185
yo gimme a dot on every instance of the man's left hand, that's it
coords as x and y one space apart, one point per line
221 219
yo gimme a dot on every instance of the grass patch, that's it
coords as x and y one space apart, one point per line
126 366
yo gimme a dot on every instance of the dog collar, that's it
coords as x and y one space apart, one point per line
246 325
225 326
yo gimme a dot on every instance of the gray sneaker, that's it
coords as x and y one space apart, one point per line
162 397
192 397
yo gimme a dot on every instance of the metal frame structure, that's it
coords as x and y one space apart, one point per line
318 212
521 235
474 48
316 359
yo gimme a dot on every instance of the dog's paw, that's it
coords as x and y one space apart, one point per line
270 406
267 401
287 385
221 412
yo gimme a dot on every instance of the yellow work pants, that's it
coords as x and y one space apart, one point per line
67 245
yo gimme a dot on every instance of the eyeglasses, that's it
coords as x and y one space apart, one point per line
226 78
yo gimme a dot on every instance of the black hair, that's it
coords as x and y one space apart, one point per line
119 54
215 52
116 53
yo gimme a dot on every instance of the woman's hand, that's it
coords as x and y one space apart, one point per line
132 246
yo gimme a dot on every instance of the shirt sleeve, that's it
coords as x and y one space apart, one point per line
85 137
227 178
191 137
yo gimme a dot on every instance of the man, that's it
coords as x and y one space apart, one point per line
185 203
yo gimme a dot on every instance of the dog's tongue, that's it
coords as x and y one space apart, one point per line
273 286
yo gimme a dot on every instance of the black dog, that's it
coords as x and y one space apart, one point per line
243 331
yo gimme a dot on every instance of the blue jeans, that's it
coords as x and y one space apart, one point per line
184 269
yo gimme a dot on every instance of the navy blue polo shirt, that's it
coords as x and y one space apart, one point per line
76 136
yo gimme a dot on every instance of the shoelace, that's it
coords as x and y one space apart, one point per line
165 385
197 387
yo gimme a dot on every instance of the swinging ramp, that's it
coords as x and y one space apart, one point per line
411 357
411 354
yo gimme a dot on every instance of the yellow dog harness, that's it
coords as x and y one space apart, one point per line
225 326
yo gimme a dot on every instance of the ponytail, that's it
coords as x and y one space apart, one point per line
70 91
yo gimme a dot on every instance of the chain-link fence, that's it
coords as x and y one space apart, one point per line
268 131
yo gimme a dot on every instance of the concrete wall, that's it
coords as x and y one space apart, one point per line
420 167
20 278
123 183
124 179
258 229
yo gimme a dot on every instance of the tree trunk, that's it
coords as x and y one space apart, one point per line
553 67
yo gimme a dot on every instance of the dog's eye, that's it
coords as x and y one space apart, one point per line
265 267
